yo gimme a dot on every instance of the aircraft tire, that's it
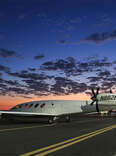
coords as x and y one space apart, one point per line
67 118
51 120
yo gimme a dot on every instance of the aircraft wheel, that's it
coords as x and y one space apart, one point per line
51 120
67 118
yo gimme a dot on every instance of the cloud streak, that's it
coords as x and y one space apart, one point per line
62 42
98 38
38 57
4 69
4 53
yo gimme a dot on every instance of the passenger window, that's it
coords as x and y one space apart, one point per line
25 105
36 105
20 106
30 105
42 105
17 106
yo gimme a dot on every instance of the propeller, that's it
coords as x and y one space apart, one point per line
94 98
111 91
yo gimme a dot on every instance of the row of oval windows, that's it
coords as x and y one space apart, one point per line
29 105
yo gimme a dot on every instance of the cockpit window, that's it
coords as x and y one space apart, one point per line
36 105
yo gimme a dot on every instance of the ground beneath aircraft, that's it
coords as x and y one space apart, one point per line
18 138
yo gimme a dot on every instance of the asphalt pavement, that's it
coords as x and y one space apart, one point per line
83 136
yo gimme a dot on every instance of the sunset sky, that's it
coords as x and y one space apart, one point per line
56 49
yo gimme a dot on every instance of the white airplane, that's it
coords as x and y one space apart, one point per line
50 108
101 102
56 108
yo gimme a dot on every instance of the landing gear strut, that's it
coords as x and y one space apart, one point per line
67 118
51 119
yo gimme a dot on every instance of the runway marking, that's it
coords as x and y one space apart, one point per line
55 147
21 128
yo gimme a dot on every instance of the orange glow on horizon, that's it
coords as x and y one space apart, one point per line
7 102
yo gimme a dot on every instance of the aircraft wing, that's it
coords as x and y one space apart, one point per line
92 113
26 113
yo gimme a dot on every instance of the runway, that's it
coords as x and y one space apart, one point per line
83 136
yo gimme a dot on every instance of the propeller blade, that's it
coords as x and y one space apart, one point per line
97 108
93 92
93 98
97 92
111 91
92 103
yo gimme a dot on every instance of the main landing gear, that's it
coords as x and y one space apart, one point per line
67 118
52 119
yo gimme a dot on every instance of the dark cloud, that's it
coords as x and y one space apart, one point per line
1 80
111 78
92 65
7 85
49 65
7 53
93 79
68 65
100 37
27 75
62 42
16 90
24 72
12 88
64 86
12 83
2 86
73 77
38 57
107 85
39 86
4 68
104 73
72 67
32 69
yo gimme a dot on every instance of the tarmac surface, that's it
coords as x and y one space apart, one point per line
83 136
